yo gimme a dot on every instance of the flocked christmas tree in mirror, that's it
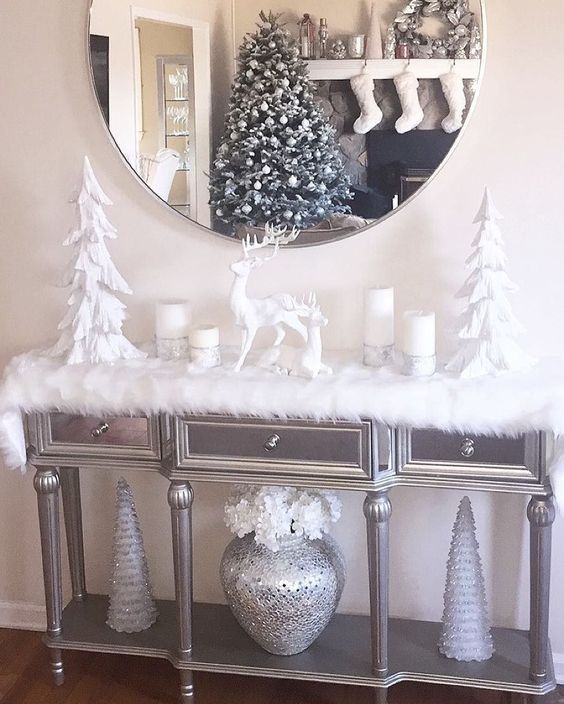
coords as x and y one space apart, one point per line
91 329
132 608
278 161
488 327
465 633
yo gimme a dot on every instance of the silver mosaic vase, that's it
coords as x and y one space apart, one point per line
284 599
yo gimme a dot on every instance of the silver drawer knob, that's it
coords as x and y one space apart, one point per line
272 443
467 448
102 428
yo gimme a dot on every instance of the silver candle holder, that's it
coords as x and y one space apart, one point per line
356 46
419 366
169 349
378 355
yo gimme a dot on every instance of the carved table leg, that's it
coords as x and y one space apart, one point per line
380 695
180 498
541 514
186 686
378 510
46 484
70 490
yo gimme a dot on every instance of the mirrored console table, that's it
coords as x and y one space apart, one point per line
375 651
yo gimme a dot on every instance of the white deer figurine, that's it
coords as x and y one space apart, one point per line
275 311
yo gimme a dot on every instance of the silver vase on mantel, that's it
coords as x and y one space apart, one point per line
284 599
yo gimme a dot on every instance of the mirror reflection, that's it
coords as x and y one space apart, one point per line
324 120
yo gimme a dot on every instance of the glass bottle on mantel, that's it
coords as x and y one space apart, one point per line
323 37
307 37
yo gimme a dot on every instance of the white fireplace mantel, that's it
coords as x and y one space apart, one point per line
345 69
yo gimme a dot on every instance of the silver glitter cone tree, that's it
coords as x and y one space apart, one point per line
91 329
132 607
465 634
278 161
488 327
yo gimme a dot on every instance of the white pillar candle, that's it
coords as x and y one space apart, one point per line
172 319
419 333
379 317
204 337
204 346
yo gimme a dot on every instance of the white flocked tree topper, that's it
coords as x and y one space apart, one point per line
488 327
91 329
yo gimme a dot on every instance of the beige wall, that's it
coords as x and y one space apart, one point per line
421 251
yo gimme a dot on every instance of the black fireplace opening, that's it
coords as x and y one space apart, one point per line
398 165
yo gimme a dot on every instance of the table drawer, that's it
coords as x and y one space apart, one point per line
428 451
284 447
64 434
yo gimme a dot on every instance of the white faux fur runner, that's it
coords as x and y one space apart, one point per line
507 404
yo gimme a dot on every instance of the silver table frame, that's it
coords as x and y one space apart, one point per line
58 470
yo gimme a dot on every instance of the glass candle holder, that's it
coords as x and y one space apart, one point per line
172 348
205 351
414 365
356 46
378 355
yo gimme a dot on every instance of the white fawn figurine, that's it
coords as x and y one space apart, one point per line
304 361
275 311
309 362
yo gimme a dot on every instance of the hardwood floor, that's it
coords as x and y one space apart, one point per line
110 679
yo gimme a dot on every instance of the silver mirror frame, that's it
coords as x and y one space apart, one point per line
296 245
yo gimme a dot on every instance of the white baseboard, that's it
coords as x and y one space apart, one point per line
559 667
19 614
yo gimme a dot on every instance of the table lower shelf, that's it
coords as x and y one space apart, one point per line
340 655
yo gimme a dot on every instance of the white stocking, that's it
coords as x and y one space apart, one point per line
453 88
370 113
406 85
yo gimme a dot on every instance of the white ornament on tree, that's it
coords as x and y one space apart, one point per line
465 634
132 608
276 311
453 89
374 47
91 329
488 326
370 113
412 116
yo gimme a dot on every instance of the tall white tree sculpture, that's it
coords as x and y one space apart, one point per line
91 329
487 326
132 608
465 633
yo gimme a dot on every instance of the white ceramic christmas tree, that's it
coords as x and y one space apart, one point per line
132 608
91 329
465 633
488 326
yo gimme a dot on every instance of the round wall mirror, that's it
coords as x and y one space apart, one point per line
325 122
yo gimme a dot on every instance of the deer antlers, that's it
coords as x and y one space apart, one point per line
273 235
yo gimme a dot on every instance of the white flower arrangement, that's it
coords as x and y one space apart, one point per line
275 512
